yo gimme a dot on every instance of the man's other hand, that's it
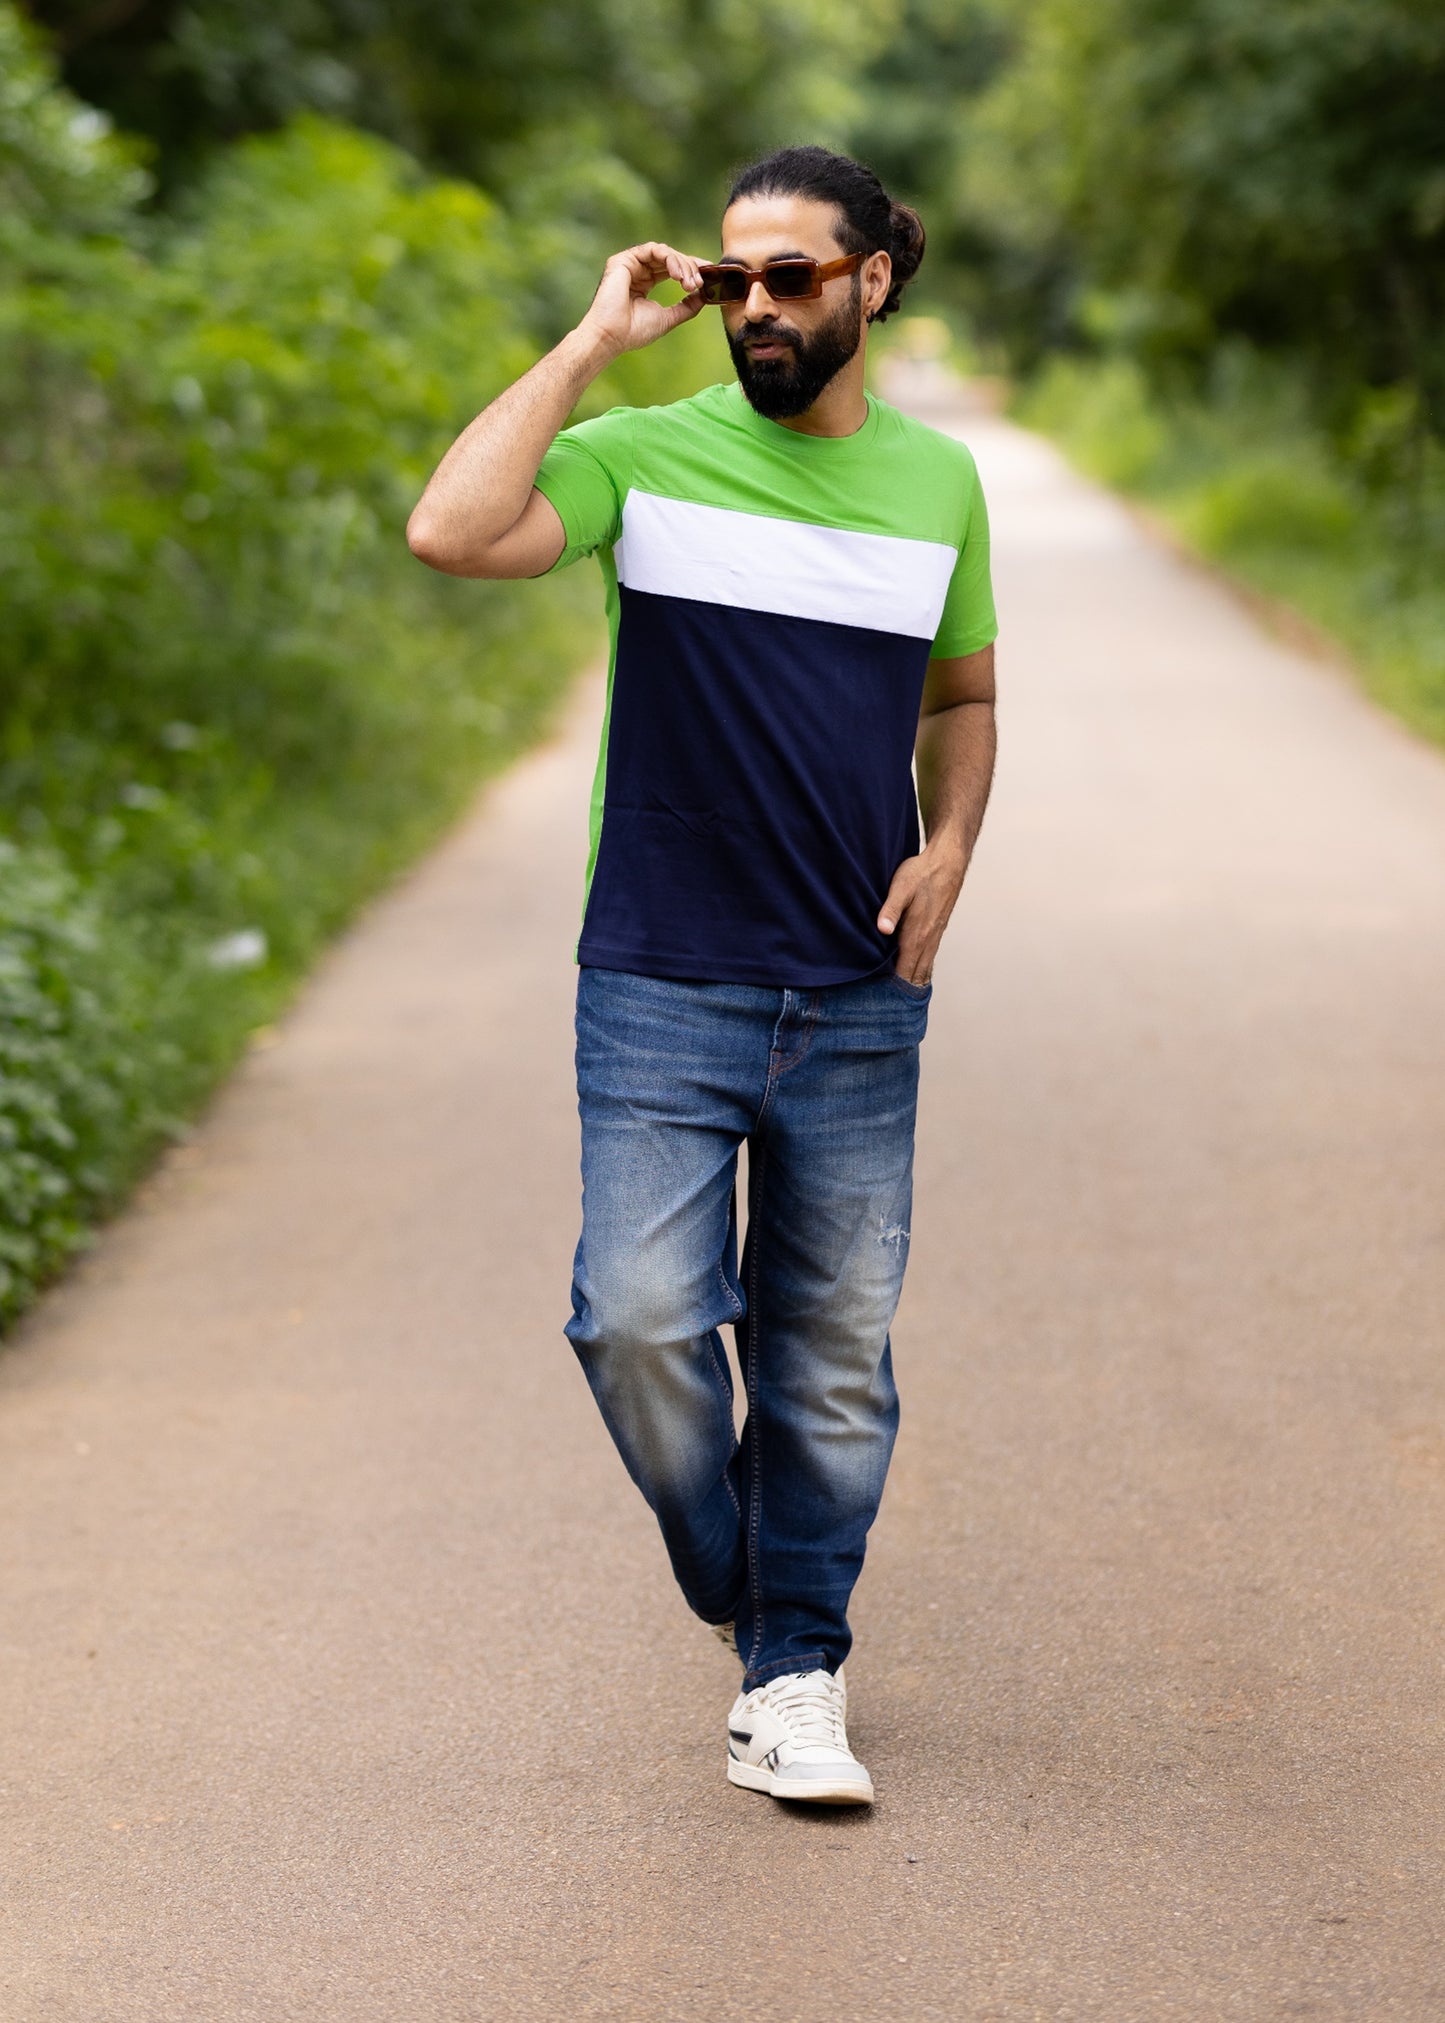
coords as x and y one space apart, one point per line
922 895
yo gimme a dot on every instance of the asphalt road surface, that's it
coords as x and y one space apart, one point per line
342 1674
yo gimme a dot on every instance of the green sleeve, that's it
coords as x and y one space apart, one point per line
968 620
586 474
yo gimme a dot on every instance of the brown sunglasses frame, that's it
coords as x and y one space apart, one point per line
826 270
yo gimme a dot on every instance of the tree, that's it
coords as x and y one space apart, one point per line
1225 169
671 92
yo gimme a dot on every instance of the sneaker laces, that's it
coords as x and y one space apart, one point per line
812 1705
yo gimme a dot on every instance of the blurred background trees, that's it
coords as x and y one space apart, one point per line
1209 239
610 110
1176 176
259 264
1166 174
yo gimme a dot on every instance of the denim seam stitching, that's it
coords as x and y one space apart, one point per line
810 1021
728 1292
723 1387
770 1084
781 1665
778 1065
723 1384
754 1422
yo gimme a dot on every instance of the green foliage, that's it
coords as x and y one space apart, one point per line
1249 478
231 703
635 106
1274 173
915 127
1210 237
222 448
60 165
1269 498
67 1075
1104 412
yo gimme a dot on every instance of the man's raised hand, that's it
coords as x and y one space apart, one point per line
623 317
481 513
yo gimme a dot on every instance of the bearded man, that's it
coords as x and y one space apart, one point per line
797 582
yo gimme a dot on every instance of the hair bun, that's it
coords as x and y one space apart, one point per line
906 241
909 240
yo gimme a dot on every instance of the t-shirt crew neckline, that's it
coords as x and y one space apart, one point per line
806 445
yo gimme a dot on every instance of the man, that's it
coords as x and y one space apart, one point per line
798 589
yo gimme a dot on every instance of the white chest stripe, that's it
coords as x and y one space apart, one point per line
672 548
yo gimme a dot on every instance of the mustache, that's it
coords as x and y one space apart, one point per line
769 333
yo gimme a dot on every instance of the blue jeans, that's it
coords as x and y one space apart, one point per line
822 1083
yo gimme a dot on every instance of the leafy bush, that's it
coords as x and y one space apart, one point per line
1222 170
1104 411
231 702
1247 478
1271 500
60 166
65 1073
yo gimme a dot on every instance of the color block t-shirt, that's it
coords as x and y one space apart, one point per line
773 601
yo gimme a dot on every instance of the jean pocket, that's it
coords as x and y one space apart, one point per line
919 992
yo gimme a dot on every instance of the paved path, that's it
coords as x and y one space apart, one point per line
342 1675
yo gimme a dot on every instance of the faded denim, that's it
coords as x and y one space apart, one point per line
822 1083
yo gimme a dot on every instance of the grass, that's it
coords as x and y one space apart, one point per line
1246 480
138 959
232 705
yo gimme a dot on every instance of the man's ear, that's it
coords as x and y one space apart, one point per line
877 280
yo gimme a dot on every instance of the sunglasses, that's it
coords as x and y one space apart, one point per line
785 280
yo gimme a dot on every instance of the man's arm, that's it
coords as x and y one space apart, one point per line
955 752
481 514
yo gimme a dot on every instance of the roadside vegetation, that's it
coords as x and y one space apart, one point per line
1244 474
1206 243
232 705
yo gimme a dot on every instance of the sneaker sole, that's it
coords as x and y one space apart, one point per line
753 1777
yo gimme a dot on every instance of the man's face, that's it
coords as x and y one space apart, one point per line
785 353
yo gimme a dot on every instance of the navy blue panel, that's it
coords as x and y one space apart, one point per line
759 795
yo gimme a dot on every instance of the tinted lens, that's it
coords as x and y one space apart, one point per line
723 284
788 280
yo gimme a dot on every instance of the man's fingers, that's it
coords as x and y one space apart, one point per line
653 262
684 270
681 266
684 311
900 897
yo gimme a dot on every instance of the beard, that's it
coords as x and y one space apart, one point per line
779 388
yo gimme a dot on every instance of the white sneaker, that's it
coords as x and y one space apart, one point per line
787 1738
